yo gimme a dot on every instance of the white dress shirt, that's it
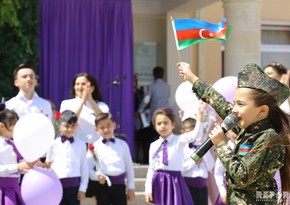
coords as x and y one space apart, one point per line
175 150
69 160
8 160
22 106
114 159
86 130
206 163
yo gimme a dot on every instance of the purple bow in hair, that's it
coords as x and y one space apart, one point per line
2 106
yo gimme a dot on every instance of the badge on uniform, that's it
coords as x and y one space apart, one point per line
244 149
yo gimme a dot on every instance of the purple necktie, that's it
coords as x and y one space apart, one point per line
163 146
108 140
18 155
64 138
165 154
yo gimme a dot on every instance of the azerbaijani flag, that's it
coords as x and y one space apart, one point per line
191 31
244 149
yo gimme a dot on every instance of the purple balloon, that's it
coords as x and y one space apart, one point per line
227 86
41 186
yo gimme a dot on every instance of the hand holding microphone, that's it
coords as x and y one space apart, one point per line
229 122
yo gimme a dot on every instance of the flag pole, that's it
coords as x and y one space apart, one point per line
175 37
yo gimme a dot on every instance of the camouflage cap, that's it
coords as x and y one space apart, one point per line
252 76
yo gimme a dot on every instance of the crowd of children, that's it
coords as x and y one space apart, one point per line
248 157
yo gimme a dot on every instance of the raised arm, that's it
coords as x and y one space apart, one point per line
186 73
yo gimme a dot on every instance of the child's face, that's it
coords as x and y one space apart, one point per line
68 130
106 128
163 125
271 72
245 108
6 132
187 127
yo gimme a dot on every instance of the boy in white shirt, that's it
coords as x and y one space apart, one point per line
67 158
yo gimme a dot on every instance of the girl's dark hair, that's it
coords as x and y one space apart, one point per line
278 67
281 123
168 112
7 117
96 93
103 116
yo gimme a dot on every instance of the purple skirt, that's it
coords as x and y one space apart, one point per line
169 188
10 191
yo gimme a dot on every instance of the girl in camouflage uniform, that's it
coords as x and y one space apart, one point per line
263 135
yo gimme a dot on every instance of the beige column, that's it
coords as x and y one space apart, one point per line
243 44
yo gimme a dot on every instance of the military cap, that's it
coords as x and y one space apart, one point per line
252 76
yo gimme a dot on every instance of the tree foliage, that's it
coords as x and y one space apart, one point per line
18 40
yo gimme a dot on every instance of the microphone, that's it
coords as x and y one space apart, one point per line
229 122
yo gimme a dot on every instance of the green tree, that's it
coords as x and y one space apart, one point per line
18 40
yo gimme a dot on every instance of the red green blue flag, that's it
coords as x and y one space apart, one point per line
191 31
244 149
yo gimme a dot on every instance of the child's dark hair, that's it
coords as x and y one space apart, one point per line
68 117
167 111
103 116
21 66
281 123
7 117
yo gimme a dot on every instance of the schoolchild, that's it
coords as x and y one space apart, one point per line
164 182
196 173
11 161
110 164
67 158
263 135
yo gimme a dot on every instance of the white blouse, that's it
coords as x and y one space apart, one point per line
86 130
8 160
175 150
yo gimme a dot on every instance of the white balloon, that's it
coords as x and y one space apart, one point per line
226 86
33 135
186 100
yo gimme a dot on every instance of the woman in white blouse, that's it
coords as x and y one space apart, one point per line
87 103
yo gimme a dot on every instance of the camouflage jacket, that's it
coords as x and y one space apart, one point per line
251 167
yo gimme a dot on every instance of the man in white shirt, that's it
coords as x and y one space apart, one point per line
27 100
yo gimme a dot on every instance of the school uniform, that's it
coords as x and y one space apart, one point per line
196 174
86 121
114 161
22 106
9 176
70 165
164 180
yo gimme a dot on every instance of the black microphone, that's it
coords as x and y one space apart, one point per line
229 122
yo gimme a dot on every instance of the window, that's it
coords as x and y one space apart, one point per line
275 44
